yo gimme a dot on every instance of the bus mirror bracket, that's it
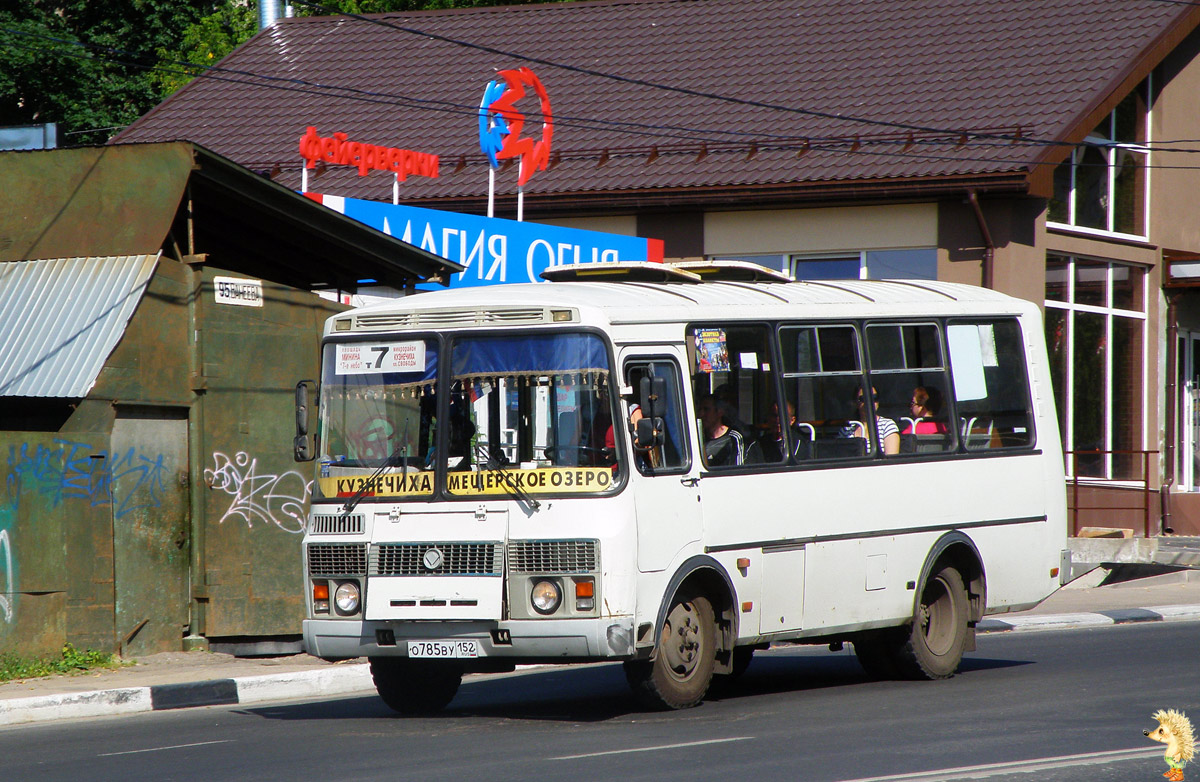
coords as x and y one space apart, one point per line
303 445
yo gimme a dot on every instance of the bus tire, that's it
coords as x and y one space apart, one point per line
937 636
682 669
877 653
414 687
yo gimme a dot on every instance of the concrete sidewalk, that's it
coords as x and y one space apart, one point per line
184 679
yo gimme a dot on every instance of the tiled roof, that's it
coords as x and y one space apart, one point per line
654 98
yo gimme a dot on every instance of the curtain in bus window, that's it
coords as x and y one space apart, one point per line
535 354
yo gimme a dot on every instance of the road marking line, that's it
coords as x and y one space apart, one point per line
1019 766
653 749
160 749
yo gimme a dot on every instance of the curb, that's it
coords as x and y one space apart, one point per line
1172 613
356 678
341 680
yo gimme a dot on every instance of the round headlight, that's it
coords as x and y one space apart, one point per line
346 598
545 597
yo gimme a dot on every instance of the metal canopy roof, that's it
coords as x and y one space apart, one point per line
134 199
60 319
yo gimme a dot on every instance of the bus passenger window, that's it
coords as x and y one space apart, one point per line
735 394
909 375
822 382
991 390
672 455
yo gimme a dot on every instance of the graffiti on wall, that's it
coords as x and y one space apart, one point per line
260 496
69 470
8 573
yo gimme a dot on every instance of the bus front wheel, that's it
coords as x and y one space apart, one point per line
415 686
682 668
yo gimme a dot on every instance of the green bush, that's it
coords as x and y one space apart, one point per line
72 661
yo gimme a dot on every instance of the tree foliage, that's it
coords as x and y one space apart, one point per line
84 63
94 66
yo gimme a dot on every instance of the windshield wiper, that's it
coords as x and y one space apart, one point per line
496 462
400 451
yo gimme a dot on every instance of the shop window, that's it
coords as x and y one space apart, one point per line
1101 186
910 264
1095 336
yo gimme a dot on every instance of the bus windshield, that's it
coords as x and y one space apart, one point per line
526 414
538 412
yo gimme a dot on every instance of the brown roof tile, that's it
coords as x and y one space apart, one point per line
874 69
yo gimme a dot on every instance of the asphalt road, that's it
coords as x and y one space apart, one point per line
1068 705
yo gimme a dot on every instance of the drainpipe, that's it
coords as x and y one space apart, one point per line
1172 411
198 567
989 248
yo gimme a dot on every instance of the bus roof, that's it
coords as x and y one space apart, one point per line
629 301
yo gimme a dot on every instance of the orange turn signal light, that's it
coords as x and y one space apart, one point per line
320 591
585 589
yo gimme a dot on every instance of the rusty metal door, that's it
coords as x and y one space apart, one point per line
149 467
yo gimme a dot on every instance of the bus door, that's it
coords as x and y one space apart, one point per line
664 479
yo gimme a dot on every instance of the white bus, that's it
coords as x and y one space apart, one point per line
483 499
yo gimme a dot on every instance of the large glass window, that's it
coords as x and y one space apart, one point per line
908 264
1095 335
1101 186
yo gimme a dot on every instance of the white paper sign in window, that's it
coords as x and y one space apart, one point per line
967 359
366 358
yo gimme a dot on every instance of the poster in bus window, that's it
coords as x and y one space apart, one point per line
712 353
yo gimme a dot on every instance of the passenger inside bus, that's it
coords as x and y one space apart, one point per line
723 445
925 406
886 431
771 446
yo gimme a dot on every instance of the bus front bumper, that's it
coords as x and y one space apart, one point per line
561 640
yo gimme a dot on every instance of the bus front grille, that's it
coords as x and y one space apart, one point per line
337 559
437 559
552 556
337 524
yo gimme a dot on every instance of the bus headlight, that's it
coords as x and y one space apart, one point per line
346 598
546 596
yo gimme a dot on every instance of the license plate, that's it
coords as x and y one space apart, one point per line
444 649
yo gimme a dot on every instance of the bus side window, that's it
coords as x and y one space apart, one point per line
908 373
736 397
991 390
822 380
672 455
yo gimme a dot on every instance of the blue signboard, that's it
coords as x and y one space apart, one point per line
493 250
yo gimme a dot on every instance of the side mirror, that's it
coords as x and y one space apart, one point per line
649 434
652 396
302 446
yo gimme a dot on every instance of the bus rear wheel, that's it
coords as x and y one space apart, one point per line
679 675
937 637
415 687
